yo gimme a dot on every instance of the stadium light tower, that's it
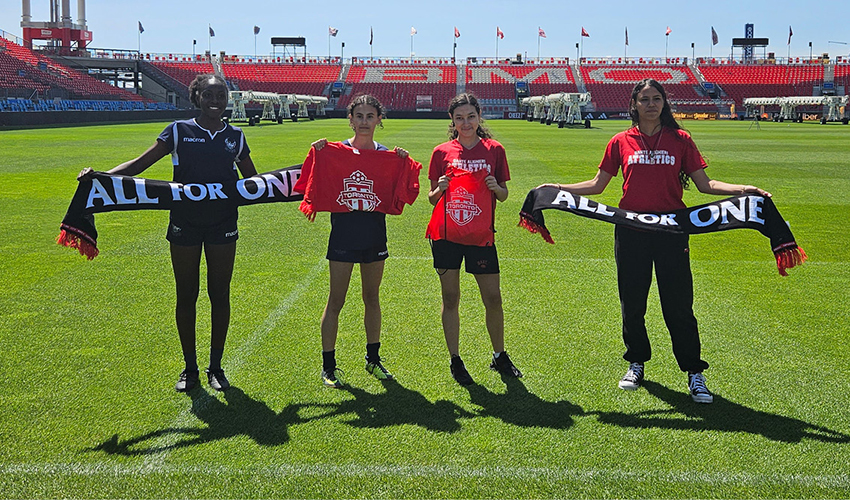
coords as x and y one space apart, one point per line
71 36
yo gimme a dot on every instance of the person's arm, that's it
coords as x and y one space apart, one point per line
593 186
500 189
137 165
437 188
246 167
710 186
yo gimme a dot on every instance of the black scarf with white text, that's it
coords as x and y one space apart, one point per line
748 211
102 192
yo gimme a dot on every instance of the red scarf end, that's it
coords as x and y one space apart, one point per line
788 258
71 240
528 223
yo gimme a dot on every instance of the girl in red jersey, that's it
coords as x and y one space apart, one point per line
203 149
658 159
357 237
468 174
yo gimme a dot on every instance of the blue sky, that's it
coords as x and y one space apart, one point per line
170 26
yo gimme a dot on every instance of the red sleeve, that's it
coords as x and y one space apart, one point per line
501 171
612 160
437 167
693 160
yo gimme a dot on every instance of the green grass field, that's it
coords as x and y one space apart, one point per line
90 352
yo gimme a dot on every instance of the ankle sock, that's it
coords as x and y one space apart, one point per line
215 358
372 355
329 360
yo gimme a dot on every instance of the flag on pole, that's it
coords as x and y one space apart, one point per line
714 39
256 30
540 32
412 31
332 31
627 35
584 32
457 33
790 33
141 28
212 33
371 35
499 33
668 31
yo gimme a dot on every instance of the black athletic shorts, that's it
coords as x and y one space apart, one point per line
479 260
186 234
364 256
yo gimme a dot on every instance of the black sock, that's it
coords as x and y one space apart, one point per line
215 358
191 360
329 360
372 352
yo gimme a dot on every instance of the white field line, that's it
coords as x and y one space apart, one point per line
437 471
694 260
234 360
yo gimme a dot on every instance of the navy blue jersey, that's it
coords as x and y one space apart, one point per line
358 230
202 156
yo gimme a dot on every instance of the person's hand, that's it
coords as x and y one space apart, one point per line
318 145
443 183
85 173
753 189
402 153
558 186
491 183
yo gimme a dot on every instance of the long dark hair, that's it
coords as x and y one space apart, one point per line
198 85
667 119
462 100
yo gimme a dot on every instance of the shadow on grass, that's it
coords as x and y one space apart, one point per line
397 406
242 415
722 415
520 407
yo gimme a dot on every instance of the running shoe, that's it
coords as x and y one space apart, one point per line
187 381
333 378
459 372
378 371
696 386
217 379
503 365
632 379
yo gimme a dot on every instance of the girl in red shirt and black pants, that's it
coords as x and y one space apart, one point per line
658 159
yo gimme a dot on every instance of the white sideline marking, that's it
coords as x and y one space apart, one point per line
234 361
360 470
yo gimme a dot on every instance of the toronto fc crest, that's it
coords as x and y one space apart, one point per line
462 208
357 193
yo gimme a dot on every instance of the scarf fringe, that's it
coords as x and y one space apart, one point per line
70 238
791 256
527 221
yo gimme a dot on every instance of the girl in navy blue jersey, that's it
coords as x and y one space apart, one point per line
203 150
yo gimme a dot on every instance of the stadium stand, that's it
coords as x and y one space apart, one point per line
38 73
740 81
495 85
611 86
397 86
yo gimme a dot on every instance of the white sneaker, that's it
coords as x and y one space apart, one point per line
632 379
696 386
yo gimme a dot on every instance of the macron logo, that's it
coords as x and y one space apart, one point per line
194 139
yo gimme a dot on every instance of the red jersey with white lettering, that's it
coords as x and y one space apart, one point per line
651 167
466 211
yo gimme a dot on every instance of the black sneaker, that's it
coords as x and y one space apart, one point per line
459 372
217 379
696 386
503 365
187 381
632 379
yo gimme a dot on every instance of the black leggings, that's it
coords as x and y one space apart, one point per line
636 252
